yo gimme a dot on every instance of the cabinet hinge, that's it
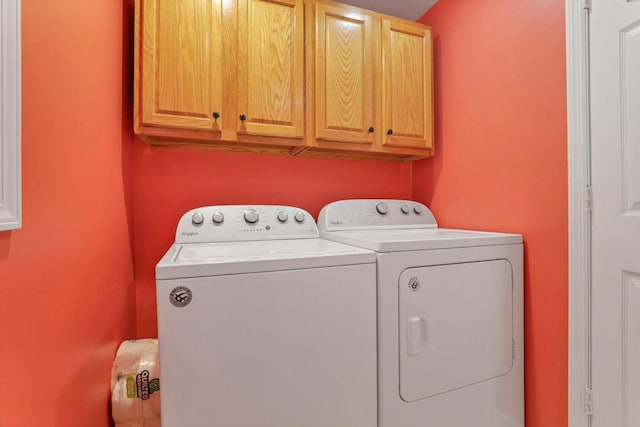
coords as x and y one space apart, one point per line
586 4
588 401
588 198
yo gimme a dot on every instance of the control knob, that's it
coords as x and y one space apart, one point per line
299 217
404 209
282 217
197 218
382 208
217 217
251 216
417 209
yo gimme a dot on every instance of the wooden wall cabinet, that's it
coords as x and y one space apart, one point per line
407 86
312 78
370 79
271 67
344 74
220 74
180 63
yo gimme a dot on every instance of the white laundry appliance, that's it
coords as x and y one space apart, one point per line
263 324
450 316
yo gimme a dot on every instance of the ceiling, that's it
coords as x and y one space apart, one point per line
407 9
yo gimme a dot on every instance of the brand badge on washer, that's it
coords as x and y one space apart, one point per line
180 296
414 284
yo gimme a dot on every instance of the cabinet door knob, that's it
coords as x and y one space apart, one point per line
216 115
243 117
371 129
390 132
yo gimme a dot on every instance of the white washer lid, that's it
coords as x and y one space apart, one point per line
395 240
219 258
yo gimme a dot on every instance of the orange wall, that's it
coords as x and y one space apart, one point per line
169 182
66 277
501 160
68 274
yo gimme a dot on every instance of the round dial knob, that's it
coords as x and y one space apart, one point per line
404 209
283 217
417 209
382 208
299 217
251 216
217 217
197 218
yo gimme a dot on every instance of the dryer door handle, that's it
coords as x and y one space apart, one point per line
415 335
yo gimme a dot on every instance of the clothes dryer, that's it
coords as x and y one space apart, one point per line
450 319
263 324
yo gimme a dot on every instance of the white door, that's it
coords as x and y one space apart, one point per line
615 117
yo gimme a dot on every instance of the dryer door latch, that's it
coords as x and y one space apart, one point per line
414 329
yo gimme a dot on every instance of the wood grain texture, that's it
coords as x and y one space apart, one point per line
344 74
231 75
309 76
226 147
251 57
181 62
408 84
271 57
327 153
156 133
137 70
344 82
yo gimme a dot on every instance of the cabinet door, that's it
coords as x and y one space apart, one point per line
407 85
181 63
344 74
271 67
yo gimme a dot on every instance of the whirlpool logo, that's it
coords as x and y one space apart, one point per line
180 296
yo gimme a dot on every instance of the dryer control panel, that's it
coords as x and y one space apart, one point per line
245 223
367 214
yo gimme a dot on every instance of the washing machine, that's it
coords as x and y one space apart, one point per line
450 320
263 324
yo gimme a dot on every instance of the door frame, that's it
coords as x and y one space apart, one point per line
11 113
579 180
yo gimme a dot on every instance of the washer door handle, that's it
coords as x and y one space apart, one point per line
414 329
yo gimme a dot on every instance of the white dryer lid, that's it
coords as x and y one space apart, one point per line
221 258
374 214
396 240
397 225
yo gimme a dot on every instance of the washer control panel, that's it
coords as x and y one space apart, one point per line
367 214
241 223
